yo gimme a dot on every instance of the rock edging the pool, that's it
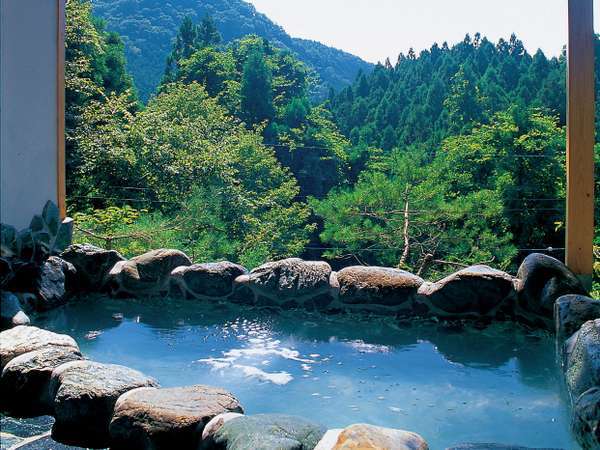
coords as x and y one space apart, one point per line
97 405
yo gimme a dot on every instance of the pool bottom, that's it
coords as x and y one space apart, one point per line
451 384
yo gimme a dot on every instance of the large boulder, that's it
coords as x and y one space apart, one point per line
24 383
366 437
474 291
11 314
208 281
85 394
23 339
583 360
377 286
147 274
289 279
586 419
92 264
268 432
571 312
542 280
163 419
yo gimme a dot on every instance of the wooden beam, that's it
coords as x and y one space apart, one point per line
580 139
60 109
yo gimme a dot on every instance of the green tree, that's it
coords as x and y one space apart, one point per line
256 89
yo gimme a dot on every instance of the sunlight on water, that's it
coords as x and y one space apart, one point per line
499 384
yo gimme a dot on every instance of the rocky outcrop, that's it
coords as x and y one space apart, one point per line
11 314
207 281
583 359
366 437
269 432
147 274
542 280
289 279
23 339
377 286
475 291
24 383
586 419
91 263
85 394
164 419
571 312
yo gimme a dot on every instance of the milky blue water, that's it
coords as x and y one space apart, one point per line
451 385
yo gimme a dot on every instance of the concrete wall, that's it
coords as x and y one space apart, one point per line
28 108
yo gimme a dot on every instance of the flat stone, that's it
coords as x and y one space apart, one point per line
92 264
367 437
269 432
208 281
571 312
11 314
476 290
84 400
583 360
151 418
23 339
291 278
147 274
377 285
586 419
542 280
24 383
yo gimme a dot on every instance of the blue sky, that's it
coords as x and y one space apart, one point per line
376 29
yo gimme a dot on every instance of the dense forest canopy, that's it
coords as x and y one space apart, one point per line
451 157
149 26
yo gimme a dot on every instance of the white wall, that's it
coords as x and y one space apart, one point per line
28 108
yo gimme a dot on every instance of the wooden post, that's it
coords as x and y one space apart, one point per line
580 140
60 109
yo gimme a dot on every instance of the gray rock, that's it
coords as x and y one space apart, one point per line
215 425
269 432
586 419
291 278
23 339
571 312
150 418
11 314
84 400
147 274
476 290
377 285
583 359
542 280
92 264
208 281
370 437
25 379
52 283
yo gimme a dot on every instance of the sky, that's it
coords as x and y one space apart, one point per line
376 29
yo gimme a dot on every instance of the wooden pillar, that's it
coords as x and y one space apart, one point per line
580 139
60 109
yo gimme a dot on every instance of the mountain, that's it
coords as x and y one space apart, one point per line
148 27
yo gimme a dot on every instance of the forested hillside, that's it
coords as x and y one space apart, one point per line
444 159
149 26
